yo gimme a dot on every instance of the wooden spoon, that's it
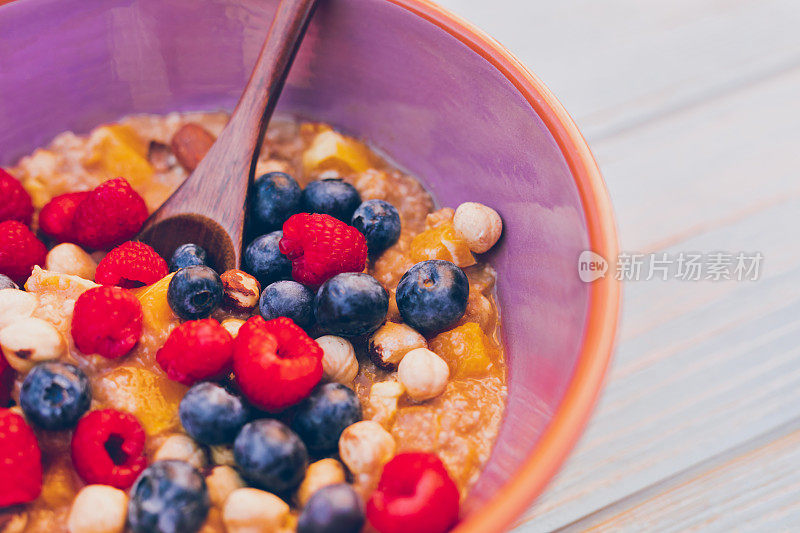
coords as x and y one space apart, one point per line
210 208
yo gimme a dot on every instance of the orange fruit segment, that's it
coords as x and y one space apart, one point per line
157 313
464 349
330 150
441 242
151 398
117 151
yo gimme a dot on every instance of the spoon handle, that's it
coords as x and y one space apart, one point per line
249 120
210 207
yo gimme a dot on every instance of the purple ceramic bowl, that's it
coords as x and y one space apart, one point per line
435 94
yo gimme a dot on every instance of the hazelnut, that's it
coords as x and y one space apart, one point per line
479 309
320 474
254 511
232 325
339 361
241 289
423 373
391 342
68 258
365 447
480 226
16 304
382 403
98 509
221 482
222 455
31 340
13 520
182 448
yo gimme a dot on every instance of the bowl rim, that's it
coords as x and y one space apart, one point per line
572 414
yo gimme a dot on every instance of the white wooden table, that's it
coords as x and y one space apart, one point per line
692 108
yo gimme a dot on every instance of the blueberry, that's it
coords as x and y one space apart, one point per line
320 419
351 304
195 292
333 196
264 260
212 415
55 395
274 198
379 221
7 283
289 299
169 497
187 255
332 509
270 456
432 295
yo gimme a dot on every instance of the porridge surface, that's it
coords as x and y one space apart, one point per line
460 425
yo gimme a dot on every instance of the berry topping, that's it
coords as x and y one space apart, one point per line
270 456
332 196
169 497
108 448
321 418
319 247
187 255
332 508
195 292
264 260
275 362
196 350
275 197
20 461
131 265
379 221
415 493
6 382
432 295
211 414
16 204
55 395
351 304
7 283
111 214
57 216
289 299
20 251
107 321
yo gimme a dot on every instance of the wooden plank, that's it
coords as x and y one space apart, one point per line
694 383
756 487
617 63
701 366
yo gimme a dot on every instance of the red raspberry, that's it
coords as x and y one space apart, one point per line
20 461
320 246
415 493
16 204
107 321
57 216
111 214
108 448
20 250
196 350
276 362
131 265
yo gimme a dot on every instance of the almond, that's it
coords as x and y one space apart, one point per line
190 144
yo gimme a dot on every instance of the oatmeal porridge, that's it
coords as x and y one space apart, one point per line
353 280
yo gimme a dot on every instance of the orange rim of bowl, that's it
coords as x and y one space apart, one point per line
579 399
